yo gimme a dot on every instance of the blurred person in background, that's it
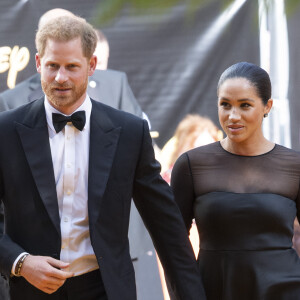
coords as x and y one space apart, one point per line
102 51
193 131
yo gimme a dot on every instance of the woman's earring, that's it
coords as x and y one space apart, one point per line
265 115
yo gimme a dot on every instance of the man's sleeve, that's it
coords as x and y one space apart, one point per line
154 201
9 251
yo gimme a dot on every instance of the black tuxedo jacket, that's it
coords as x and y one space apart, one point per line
121 167
111 88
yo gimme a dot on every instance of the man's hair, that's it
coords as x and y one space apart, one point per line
64 29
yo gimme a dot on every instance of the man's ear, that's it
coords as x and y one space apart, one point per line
92 65
38 62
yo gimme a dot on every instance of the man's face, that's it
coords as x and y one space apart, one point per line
64 74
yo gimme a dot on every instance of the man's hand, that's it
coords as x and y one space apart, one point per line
45 273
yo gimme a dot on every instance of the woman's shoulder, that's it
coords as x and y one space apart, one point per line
199 154
283 151
204 155
283 155
209 149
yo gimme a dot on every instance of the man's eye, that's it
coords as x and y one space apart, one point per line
52 66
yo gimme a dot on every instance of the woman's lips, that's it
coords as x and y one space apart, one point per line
235 128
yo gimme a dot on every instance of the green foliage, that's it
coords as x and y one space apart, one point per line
108 10
142 5
291 6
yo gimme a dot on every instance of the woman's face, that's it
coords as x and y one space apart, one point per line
241 110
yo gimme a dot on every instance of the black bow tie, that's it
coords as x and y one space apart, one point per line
60 121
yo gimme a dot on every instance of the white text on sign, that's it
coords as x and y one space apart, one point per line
13 60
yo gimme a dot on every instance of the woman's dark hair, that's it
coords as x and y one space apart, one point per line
257 76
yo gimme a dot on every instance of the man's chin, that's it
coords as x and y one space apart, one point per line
61 102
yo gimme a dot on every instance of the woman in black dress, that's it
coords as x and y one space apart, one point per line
244 195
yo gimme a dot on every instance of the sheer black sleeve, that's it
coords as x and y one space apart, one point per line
183 188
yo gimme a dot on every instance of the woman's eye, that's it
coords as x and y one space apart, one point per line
245 105
225 104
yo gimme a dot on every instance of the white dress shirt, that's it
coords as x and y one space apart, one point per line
70 157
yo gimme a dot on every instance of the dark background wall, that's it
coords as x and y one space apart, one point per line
174 62
173 58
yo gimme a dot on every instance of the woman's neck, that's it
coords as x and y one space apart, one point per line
248 148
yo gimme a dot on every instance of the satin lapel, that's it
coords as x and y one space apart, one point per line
103 144
34 137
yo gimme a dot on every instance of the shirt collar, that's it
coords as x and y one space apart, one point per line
86 106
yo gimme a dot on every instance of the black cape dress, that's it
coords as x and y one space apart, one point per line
244 208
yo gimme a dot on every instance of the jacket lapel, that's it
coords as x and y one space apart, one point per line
33 132
104 138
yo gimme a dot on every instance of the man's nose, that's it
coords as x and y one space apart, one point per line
61 76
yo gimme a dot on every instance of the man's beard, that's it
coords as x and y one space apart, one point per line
62 101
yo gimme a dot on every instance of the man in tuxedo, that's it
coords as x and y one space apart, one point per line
69 167
109 87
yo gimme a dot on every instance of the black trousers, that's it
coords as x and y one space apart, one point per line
88 286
